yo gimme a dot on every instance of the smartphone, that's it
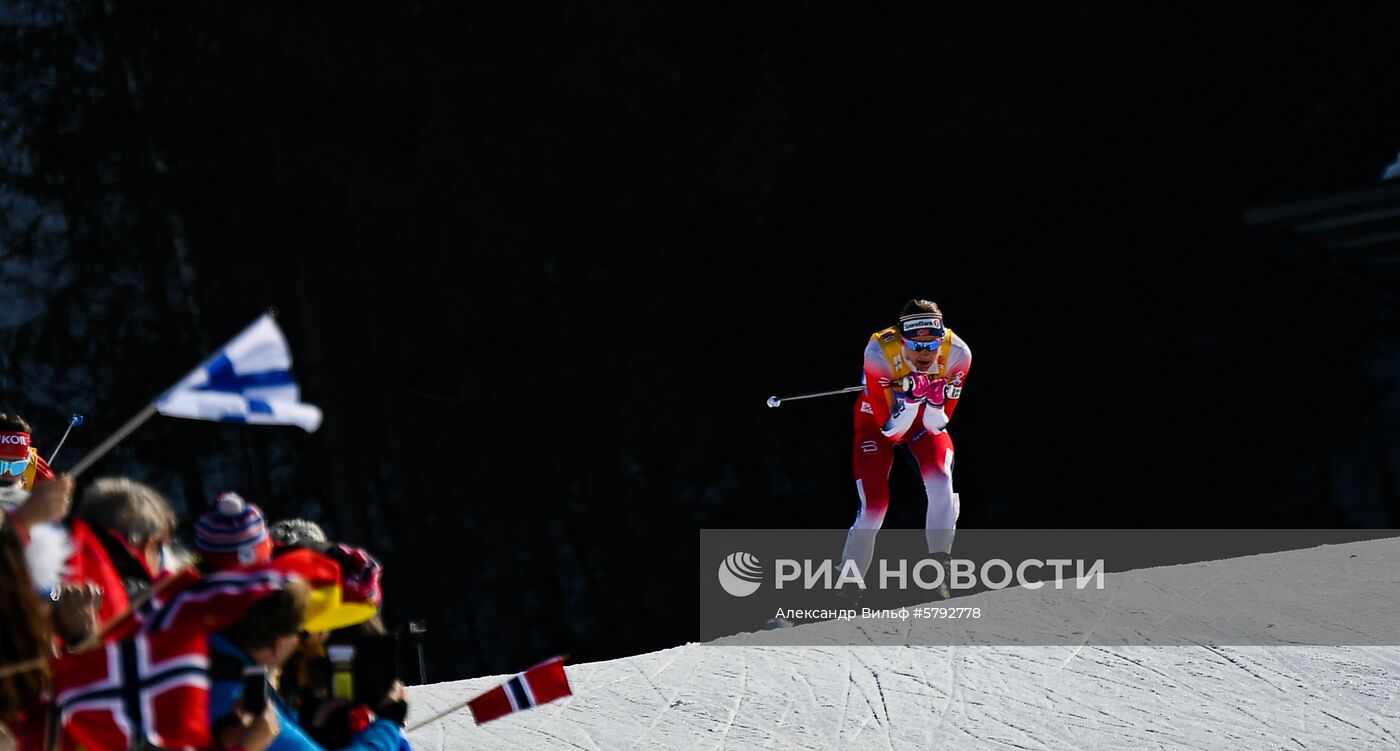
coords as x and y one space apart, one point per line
254 689
364 670
342 659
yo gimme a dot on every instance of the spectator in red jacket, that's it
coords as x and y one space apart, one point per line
121 536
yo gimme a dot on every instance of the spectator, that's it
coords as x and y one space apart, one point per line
306 677
26 493
21 467
297 533
307 680
25 638
359 598
121 536
268 635
233 533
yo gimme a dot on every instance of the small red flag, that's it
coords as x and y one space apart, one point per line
540 684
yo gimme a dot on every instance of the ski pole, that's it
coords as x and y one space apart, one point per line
774 401
73 422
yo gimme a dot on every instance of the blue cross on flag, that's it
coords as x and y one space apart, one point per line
248 381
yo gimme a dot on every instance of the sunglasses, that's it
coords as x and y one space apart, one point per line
923 346
14 468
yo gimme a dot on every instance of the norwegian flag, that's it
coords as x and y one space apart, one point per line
540 684
150 680
153 686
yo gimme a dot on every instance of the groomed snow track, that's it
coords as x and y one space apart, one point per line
1078 696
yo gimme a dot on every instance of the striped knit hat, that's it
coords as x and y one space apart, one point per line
233 533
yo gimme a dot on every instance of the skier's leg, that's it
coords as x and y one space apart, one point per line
872 454
935 456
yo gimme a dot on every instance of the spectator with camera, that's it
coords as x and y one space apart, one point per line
263 642
347 664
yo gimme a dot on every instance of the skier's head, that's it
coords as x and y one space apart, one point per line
921 328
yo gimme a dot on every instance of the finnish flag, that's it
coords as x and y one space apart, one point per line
248 381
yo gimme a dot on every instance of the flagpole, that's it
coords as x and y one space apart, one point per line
15 668
150 409
73 422
113 440
95 638
439 716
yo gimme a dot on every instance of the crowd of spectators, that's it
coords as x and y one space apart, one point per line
272 671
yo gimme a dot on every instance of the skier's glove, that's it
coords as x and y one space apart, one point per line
902 418
935 419
919 387
927 389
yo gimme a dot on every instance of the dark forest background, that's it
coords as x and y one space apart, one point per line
541 265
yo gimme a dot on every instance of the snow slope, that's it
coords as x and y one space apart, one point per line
707 696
